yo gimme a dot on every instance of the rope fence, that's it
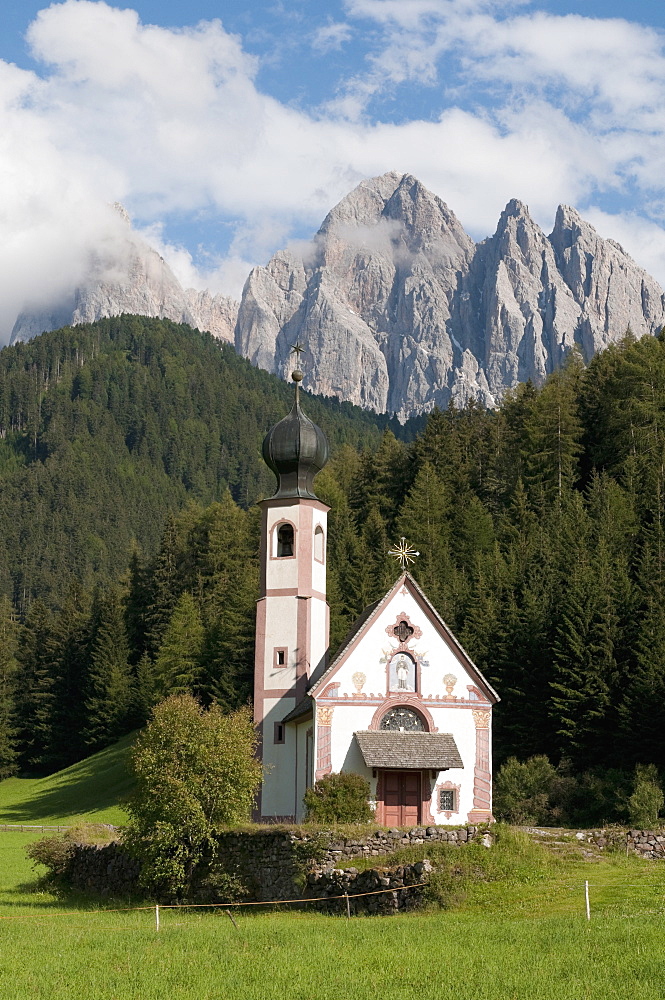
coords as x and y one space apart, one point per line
158 907
584 891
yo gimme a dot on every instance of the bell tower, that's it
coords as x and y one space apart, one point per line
292 615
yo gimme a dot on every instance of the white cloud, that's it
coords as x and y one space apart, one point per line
555 109
331 37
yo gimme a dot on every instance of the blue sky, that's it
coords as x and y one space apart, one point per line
228 129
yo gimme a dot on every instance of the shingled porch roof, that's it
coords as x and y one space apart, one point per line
408 751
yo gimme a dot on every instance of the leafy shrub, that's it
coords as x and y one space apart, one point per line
339 798
195 772
56 852
647 799
522 790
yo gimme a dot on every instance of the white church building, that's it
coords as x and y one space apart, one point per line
400 703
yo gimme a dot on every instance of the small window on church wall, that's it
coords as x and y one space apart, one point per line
285 540
318 543
279 732
280 654
447 800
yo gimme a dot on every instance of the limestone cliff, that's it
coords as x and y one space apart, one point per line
399 310
126 275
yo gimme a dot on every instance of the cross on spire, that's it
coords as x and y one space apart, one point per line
404 553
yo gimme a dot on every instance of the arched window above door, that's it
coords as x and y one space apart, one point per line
403 719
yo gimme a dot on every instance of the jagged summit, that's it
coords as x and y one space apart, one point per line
401 311
397 307
126 275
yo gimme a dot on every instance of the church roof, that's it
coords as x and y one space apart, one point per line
409 751
302 709
321 676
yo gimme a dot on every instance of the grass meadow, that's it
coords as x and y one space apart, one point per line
515 928
506 940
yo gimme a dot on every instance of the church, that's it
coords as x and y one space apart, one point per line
400 702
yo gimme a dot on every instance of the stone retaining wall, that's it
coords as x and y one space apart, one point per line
267 864
646 843
103 871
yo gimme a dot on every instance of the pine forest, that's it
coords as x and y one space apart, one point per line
130 467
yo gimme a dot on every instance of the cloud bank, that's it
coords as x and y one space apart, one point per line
532 105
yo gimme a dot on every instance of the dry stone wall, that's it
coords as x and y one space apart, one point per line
274 865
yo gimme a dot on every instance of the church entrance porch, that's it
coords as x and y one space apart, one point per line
399 798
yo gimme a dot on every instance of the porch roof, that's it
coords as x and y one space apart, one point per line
408 751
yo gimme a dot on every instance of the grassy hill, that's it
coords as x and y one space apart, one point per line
87 792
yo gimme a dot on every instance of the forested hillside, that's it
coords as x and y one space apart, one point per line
542 538
104 428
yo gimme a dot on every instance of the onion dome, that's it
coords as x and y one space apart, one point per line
295 449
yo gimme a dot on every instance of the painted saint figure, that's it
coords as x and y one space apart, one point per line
402 672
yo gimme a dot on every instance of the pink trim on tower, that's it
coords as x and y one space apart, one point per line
294 591
323 742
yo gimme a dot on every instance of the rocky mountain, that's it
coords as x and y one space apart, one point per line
129 276
399 310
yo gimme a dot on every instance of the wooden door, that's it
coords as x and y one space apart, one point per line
401 798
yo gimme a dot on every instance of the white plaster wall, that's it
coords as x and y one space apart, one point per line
319 631
448 716
439 659
302 777
282 572
281 630
459 722
279 761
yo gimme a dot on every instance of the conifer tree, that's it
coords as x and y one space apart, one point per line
553 432
178 662
109 695
165 587
425 521
9 641
35 698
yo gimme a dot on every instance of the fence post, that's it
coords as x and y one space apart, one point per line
348 906
586 897
157 916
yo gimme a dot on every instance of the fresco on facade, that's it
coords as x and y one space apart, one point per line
401 674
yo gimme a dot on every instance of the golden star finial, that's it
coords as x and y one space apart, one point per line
297 349
404 552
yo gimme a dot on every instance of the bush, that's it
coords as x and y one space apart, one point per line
647 799
522 791
195 772
55 852
339 798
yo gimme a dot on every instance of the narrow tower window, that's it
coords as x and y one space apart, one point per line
318 543
285 540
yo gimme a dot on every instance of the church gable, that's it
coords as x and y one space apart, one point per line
403 648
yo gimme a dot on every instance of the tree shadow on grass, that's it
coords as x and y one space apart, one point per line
92 785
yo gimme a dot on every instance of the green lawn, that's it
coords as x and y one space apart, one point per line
87 792
516 929
525 938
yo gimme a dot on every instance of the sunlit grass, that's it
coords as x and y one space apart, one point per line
516 927
85 792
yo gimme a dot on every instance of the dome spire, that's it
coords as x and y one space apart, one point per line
295 448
